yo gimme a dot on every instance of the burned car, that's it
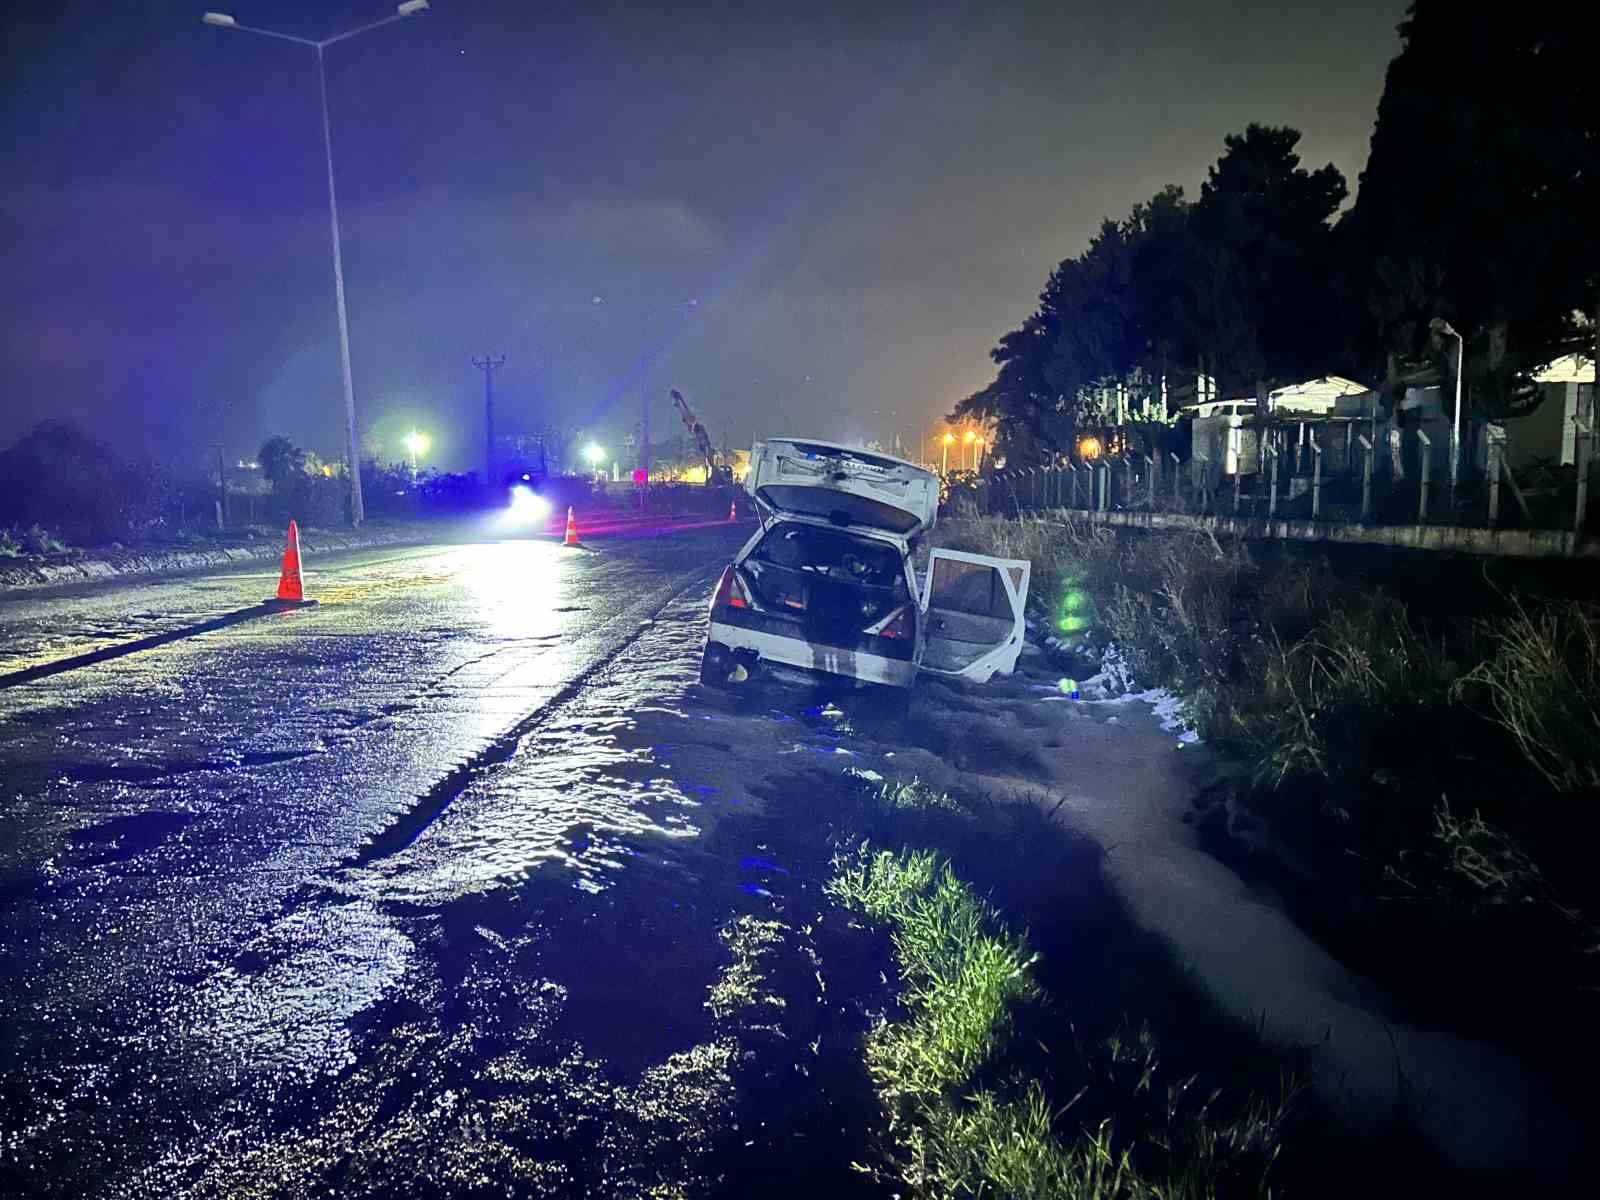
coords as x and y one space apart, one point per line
828 583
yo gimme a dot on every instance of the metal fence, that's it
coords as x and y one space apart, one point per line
1331 472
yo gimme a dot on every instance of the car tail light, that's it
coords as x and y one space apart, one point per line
896 625
731 591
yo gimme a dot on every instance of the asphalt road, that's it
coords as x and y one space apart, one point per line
210 849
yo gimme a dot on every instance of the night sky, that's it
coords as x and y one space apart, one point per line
811 217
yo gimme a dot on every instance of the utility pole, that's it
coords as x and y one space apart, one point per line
644 425
488 365
222 489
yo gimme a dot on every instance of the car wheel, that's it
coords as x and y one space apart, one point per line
714 666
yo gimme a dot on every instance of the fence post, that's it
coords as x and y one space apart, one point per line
1316 479
1584 442
1127 481
1177 481
1427 470
1105 486
1150 463
1272 492
1366 478
1494 480
1238 476
1073 467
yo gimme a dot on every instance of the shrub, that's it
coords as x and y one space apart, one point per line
1346 699
62 479
36 539
1542 678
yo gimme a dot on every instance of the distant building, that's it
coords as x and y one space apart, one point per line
1315 397
1547 434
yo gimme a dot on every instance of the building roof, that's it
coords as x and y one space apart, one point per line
1315 394
1576 367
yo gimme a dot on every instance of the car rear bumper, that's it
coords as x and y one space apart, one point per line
851 662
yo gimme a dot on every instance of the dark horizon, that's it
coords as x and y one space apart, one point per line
811 219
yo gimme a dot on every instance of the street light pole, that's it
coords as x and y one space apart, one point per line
353 443
358 512
1440 325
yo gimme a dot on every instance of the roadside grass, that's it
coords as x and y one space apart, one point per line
1433 762
965 1115
35 539
1542 678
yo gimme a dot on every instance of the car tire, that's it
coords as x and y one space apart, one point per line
714 663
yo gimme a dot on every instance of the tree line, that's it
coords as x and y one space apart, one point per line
1480 204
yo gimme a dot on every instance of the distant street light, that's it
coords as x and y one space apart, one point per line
944 453
594 453
415 443
968 439
224 21
1441 328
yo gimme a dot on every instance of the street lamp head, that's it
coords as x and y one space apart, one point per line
970 436
411 6
1442 328
593 453
221 20
949 438
416 442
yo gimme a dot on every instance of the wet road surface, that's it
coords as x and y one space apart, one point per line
247 876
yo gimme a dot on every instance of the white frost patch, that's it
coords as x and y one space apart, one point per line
1114 684
1168 709
863 773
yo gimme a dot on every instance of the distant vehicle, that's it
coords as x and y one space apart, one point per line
828 584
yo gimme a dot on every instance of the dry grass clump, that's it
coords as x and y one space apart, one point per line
1542 677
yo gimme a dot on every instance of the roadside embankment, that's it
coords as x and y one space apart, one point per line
1384 858
256 544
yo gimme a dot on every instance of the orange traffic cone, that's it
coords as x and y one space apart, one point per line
291 592
572 530
733 511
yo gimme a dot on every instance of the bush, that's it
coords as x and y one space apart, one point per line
1542 679
1344 701
35 539
60 478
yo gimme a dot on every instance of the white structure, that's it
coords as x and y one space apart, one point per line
1315 397
1547 433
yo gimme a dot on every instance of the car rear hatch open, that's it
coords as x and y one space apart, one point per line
823 586
844 485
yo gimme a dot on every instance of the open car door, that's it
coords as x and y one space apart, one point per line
972 614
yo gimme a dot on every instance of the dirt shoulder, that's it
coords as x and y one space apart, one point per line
144 559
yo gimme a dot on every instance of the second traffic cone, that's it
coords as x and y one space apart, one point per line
291 590
572 530
733 511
